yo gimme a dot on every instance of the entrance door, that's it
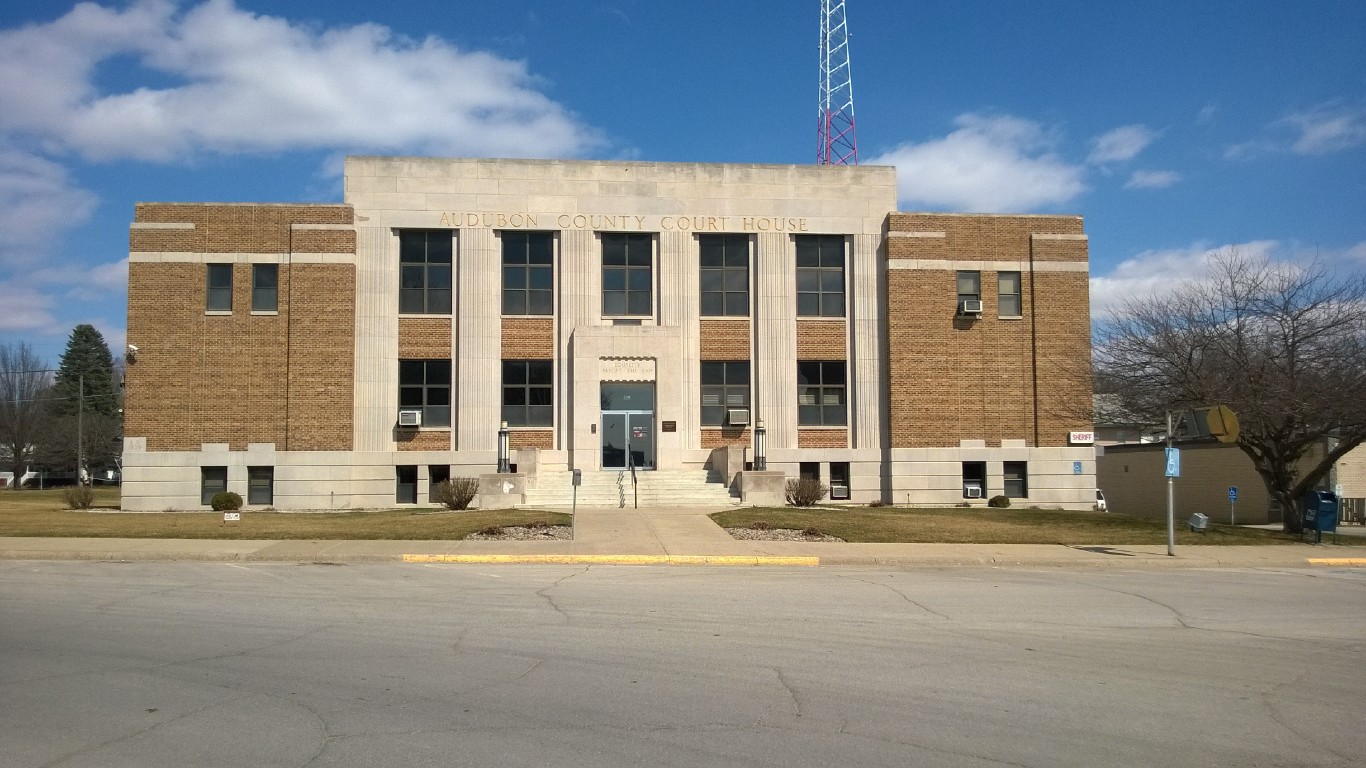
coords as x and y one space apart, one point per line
628 439
628 425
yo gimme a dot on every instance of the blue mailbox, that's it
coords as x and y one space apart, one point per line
1320 512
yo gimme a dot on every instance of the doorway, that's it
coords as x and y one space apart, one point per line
628 425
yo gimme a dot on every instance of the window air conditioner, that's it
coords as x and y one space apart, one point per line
410 418
970 307
840 492
972 491
737 417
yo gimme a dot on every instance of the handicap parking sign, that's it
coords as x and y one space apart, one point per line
1233 493
1173 462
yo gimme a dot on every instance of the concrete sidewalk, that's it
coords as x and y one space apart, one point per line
677 536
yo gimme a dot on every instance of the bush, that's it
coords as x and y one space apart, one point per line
805 492
79 496
456 493
1000 502
759 525
813 532
225 501
875 503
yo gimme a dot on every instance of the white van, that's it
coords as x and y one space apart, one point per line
1100 501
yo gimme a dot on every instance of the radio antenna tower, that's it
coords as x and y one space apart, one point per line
836 109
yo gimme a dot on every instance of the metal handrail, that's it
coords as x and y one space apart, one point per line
631 465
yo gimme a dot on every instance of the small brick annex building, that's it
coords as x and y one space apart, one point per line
616 316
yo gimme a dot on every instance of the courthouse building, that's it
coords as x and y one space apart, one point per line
666 318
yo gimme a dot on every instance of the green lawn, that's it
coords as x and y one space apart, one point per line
43 513
993 526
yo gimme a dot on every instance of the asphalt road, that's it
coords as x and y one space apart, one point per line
214 664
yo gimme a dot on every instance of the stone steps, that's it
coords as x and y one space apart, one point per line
610 488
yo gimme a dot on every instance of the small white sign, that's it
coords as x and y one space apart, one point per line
232 517
1081 438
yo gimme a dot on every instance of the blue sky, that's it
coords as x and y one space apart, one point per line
1175 128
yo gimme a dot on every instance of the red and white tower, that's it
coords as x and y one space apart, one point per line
836 109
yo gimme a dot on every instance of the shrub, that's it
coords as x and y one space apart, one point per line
1000 502
812 531
804 492
877 503
456 493
225 501
492 530
759 525
79 496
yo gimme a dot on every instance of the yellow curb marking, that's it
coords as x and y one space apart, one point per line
616 559
1337 561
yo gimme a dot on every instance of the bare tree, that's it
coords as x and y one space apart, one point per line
23 388
1283 345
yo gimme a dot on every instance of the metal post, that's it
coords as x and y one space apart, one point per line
80 431
1171 497
760 452
504 463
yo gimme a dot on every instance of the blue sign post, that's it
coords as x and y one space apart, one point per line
1232 497
1173 462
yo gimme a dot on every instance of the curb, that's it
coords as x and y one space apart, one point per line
616 559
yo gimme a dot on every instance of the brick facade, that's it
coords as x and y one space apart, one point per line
993 378
284 377
528 338
724 339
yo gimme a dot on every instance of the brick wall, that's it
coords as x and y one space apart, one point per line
719 437
953 379
532 438
821 340
423 440
822 438
528 338
424 338
284 378
724 339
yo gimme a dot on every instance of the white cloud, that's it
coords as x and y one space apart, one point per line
1207 114
37 199
1153 272
1120 145
1319 130
27 310
1152 179
989 164
238 81
1326 129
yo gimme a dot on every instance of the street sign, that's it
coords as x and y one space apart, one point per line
1173 462
1076 467
1233 493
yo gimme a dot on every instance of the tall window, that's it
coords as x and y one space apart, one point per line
1016 479
212 480
265 287
260 485
405 484
528 393
528 273
820 393
820 276
424 272
218 288
974 479
1008 302
425 385
725 385
725 274
969 287
627 275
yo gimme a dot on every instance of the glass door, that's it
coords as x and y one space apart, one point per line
628 439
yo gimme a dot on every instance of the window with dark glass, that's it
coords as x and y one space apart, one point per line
260 485
528 273
627 275
212 480
218 288
974 479
969 287
809 470
425 385
839 480
1016 479
265 287
820 276
821 393
1008 302
725 275
424 271
528 393
437 474
405 484
725 385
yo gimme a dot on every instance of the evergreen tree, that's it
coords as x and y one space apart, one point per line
86 355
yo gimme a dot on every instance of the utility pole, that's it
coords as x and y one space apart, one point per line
80 431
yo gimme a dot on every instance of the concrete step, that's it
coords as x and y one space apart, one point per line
699 488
